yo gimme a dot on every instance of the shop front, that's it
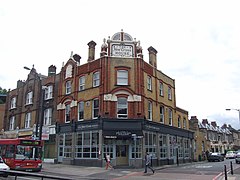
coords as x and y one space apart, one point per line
126 141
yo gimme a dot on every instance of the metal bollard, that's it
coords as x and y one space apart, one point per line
231 167
225 171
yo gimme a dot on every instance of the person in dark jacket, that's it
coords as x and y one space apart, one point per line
148 163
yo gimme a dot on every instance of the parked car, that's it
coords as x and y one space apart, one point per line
215 157
237 158
230 155
3 168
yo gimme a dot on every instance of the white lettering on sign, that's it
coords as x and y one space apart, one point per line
122 50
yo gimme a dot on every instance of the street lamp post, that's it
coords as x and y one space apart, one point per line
235 110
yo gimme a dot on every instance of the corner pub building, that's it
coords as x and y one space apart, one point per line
121 105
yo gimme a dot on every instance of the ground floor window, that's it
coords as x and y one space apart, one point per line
186 148
180 147
68 145
172 143
87 144
151 143
163 146
138 148
108 147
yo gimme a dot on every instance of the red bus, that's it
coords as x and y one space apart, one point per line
22 154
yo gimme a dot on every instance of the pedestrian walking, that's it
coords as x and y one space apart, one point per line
108 161
148 163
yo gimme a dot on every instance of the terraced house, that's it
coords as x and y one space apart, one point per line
121 105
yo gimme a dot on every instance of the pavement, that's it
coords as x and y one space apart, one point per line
100 173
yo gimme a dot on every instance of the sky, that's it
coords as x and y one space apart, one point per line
198 44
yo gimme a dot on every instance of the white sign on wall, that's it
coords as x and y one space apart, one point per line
120 50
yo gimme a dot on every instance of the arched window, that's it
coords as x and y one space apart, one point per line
122 107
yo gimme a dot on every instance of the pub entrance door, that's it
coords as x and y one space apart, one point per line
122 153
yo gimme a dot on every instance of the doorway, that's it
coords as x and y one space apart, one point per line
122 155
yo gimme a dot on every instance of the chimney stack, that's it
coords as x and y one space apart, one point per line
152 56
52 70
91 51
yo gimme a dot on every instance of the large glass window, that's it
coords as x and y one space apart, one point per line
108 147
87 145
151 143
29 98
95 108
186 148
138 148
48 92
122 107
96 79
150 110
12 123
68 87
163 147
180 147
122 77
47 116
68 146
161 114
80 110
27 120
13 103
149 83
172 143
67 113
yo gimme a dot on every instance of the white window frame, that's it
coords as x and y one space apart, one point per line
47 117
12 123
13 103
67 113
96 79
169 93
48 92
150 113
28 118
80 110
161 89
149 83
122 104
95 109
29 98
81 83
184 123
68 87
179 122
122 77
161 114
170 118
